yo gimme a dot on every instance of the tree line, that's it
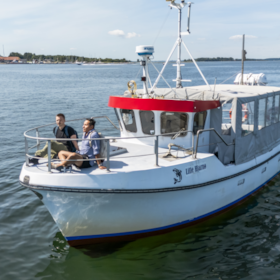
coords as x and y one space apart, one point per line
64 58
229 59
212 59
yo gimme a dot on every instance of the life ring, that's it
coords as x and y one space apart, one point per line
244 111
132 86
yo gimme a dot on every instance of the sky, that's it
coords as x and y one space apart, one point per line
113 28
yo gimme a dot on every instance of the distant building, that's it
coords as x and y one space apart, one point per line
48 60
9 59
22 60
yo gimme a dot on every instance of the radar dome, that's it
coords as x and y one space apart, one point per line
145 50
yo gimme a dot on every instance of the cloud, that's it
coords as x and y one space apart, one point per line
132 34
121 33
237 37
72 49
117 32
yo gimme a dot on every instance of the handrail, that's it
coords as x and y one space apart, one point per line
207 130
107 140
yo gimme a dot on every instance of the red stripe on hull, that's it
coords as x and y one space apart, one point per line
162 104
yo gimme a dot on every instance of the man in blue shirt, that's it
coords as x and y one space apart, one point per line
89 149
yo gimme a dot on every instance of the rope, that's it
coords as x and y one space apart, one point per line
163 78
162 26
230 77
137 73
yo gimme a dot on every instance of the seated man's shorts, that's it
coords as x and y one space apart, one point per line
85 164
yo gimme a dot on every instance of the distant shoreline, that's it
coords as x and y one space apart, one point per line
133 62
54 63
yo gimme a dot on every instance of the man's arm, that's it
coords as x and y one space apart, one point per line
72 135
99 163
75 142
96 150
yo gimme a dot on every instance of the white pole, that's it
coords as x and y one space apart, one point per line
146 75
242 66
196 66
163 79
179 76
162 70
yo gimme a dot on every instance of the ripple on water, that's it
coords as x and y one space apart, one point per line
240 244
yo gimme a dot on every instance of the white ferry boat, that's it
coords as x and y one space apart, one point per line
184 154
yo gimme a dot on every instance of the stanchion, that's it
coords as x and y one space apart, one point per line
108 155
156 149
49 157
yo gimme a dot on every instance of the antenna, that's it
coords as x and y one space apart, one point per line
189 16
179 42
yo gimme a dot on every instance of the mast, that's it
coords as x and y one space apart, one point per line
179 42
243 56
179 75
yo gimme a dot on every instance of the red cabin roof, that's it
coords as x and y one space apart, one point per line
162 104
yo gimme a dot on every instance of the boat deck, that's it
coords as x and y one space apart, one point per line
138 157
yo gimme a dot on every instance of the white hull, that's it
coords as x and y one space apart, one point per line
148 202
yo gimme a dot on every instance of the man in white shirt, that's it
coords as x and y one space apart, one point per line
89 150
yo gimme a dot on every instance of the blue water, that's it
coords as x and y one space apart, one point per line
241 244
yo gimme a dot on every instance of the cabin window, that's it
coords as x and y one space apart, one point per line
276 111
226 118
227 113
119 121
199 121
261 115
248 118
128 118
274 117
173 122
147 122
269 111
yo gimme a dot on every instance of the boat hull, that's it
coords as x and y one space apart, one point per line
87 217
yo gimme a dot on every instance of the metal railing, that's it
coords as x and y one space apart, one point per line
208 130
107 140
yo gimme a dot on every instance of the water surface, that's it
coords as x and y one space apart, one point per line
241 244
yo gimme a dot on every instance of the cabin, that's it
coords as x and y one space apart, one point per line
245 119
